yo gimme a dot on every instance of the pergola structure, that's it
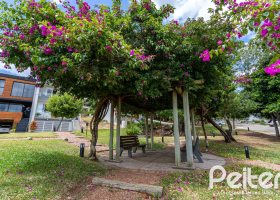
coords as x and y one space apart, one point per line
167 101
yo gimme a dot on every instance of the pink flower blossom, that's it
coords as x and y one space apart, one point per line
256 24
48 51
176 22
132 52
273 69
205 56
109 48
264 32
85 8
239 35
180 189
220 42
267 23
45 31
52 40
16 28
147 6
70 49
228 35
64 63
22 36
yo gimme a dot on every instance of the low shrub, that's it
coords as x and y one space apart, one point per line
133 129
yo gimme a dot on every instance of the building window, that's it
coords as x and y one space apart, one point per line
2 83
22 90
10 107
15 108
49 92
17 90
4 107
28 91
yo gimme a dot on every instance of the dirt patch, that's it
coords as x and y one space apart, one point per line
131 176
88 191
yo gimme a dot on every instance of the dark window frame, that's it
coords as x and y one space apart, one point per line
24 84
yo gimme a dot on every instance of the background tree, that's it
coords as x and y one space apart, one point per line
64 106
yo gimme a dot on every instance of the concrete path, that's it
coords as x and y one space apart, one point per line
266 129
161 161
77 140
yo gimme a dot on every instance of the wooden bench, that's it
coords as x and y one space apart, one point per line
196 152
129 143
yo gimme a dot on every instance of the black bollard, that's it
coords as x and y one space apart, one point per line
247 153
82 130
82 149
248 129
87 127
162 139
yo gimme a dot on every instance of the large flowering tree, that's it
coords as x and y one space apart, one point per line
78 50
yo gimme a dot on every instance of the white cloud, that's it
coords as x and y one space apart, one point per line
188 8
13 70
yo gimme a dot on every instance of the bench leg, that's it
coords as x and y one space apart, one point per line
130 153
198 157
144 149
134 149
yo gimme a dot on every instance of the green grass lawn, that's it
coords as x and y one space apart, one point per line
261 148
25 135
104 134
44 169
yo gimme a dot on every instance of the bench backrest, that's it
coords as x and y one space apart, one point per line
129 141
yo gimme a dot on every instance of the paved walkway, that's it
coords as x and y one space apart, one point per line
162 160
266 129
77 140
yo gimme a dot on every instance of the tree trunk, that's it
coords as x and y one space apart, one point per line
204 131
275 125
100 112
59 124
229 132
211 121
233 126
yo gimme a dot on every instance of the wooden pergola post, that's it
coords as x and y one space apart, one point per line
193 126
118 132
146 131
189 150
152 131
176 129
111 141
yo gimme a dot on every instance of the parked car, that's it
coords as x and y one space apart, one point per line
5 129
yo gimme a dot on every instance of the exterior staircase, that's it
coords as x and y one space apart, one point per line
22 126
